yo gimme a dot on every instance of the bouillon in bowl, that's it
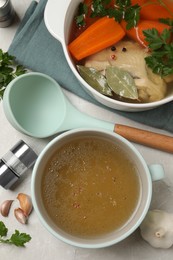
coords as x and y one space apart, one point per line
92 188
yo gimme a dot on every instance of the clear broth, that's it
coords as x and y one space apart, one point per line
90 187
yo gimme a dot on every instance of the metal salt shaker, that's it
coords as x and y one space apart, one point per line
6 13
15 163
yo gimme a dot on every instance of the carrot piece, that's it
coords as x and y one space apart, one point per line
101 34
76 31
136 33
153 10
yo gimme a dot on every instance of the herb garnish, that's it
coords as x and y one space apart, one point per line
161 58
167 21
82 12
17 238
122 9
99 8
8 70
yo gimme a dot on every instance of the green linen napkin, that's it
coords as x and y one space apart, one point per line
36 49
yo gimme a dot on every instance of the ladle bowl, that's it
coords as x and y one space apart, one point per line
35 105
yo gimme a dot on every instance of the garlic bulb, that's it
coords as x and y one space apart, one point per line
157 229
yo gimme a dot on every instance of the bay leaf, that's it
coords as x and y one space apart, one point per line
95 79
121 82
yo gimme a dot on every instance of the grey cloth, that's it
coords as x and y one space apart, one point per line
35 48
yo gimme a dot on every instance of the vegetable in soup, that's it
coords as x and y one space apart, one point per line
102 30
90 187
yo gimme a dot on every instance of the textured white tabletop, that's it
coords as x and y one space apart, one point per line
43 245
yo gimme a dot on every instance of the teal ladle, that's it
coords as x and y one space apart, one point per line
35 105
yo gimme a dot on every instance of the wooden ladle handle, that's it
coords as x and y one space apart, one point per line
151 139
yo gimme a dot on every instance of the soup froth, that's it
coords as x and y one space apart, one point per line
90 187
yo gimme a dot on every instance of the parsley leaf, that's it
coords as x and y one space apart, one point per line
3 229
153 38
17 238
132 16
116 13
167 21
99 8
8 70
82 12
161 58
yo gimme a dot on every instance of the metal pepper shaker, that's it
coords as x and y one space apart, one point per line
7 13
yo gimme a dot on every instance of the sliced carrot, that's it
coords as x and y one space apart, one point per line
76 31
136 33
169 4
139 2
153 10
103 33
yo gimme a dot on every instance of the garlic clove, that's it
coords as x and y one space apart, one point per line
5 207
25 203
20 216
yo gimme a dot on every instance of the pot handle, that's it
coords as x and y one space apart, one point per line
156 171
54 17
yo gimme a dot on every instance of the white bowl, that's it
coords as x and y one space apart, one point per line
146 175
58 19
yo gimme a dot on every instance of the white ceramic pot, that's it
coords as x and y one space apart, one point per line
58 19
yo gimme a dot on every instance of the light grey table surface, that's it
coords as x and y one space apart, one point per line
43 245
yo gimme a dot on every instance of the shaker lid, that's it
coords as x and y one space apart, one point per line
7 176
5 7
2 3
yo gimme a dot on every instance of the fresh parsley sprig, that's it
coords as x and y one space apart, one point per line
99 8
167 21
122 9
132 16
161 58
17 238
82 12
8 70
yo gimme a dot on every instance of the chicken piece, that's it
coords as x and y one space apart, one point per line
130 56
168 78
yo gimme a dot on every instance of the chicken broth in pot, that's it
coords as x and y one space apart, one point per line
90 187
134 67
